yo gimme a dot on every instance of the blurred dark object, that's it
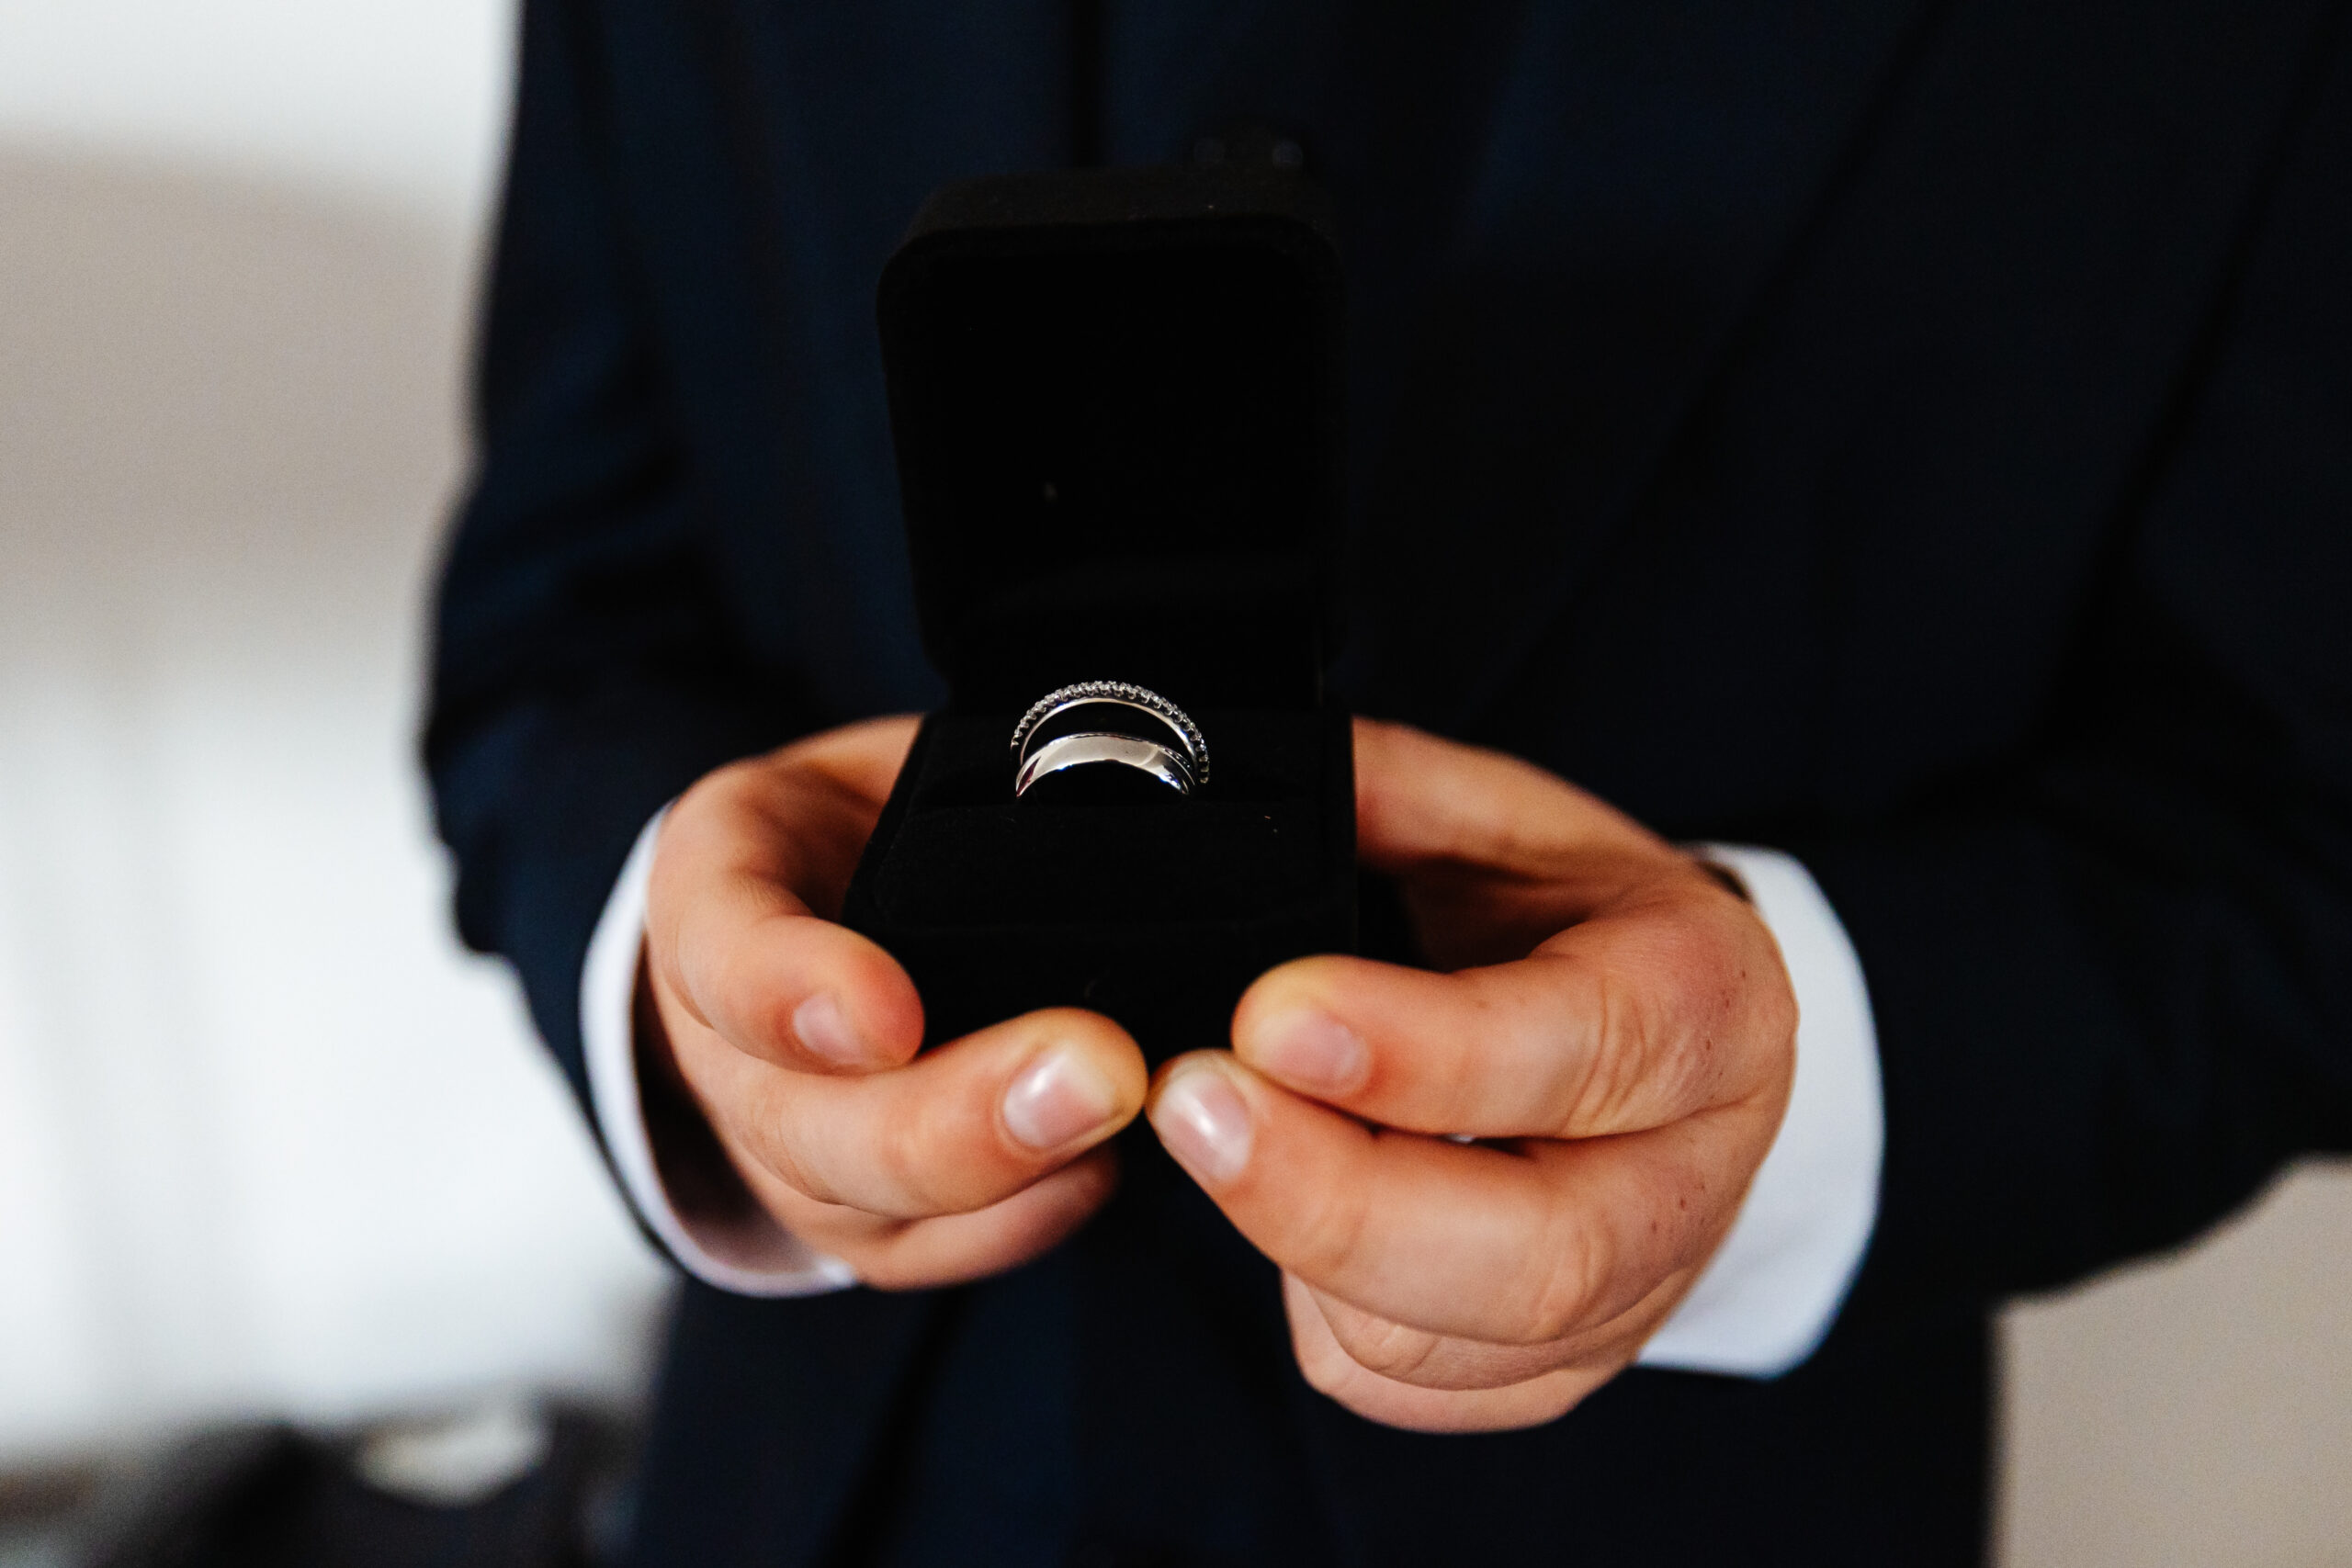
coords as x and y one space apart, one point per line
510 1485
39 1510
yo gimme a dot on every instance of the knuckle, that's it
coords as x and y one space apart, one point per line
1685 943
1750 1021
1458 1079
1618 1061
1326 1367
727 979
1564 1279
1674 1021
1328 1229
905 1152
770 1136
703 967
1386 1349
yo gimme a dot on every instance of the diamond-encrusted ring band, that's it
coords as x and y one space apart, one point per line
1037 753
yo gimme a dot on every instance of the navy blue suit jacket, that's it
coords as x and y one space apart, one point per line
1916 434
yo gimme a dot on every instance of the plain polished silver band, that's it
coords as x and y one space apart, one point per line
1165 763
1117 693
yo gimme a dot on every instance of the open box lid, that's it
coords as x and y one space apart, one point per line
1116 396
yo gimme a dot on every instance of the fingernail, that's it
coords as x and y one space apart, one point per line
1202 1119
825 1031
1310 1050
1061 1097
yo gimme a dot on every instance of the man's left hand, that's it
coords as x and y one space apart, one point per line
1612 1026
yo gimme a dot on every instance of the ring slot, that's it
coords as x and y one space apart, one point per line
1038 754
1162 762
1119 694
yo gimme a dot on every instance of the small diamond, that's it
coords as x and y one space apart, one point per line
1054 701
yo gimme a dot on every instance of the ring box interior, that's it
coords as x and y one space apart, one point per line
1117 399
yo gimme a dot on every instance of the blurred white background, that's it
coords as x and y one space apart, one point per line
268 1141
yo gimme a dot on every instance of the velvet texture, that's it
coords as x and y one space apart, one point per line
1115 401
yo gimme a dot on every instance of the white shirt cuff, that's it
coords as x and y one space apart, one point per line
748 1257
1766 1299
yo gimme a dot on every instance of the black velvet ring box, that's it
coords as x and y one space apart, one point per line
1116 400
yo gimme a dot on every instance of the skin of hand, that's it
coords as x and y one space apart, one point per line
796 1038
1612 1026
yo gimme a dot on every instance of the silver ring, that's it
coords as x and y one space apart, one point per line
1180 767
1162 762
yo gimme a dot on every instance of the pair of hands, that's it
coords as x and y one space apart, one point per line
1614 1027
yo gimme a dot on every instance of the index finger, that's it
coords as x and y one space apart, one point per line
1510 1246
1664 1004
748 865
1422 800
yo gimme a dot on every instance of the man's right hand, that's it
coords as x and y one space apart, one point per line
798 1037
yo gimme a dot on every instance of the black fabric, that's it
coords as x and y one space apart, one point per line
1157 912
1116 402
1908 434
1197 1458
1255 836
1115 397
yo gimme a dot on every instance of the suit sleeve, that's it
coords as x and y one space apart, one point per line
2113 987
583 673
